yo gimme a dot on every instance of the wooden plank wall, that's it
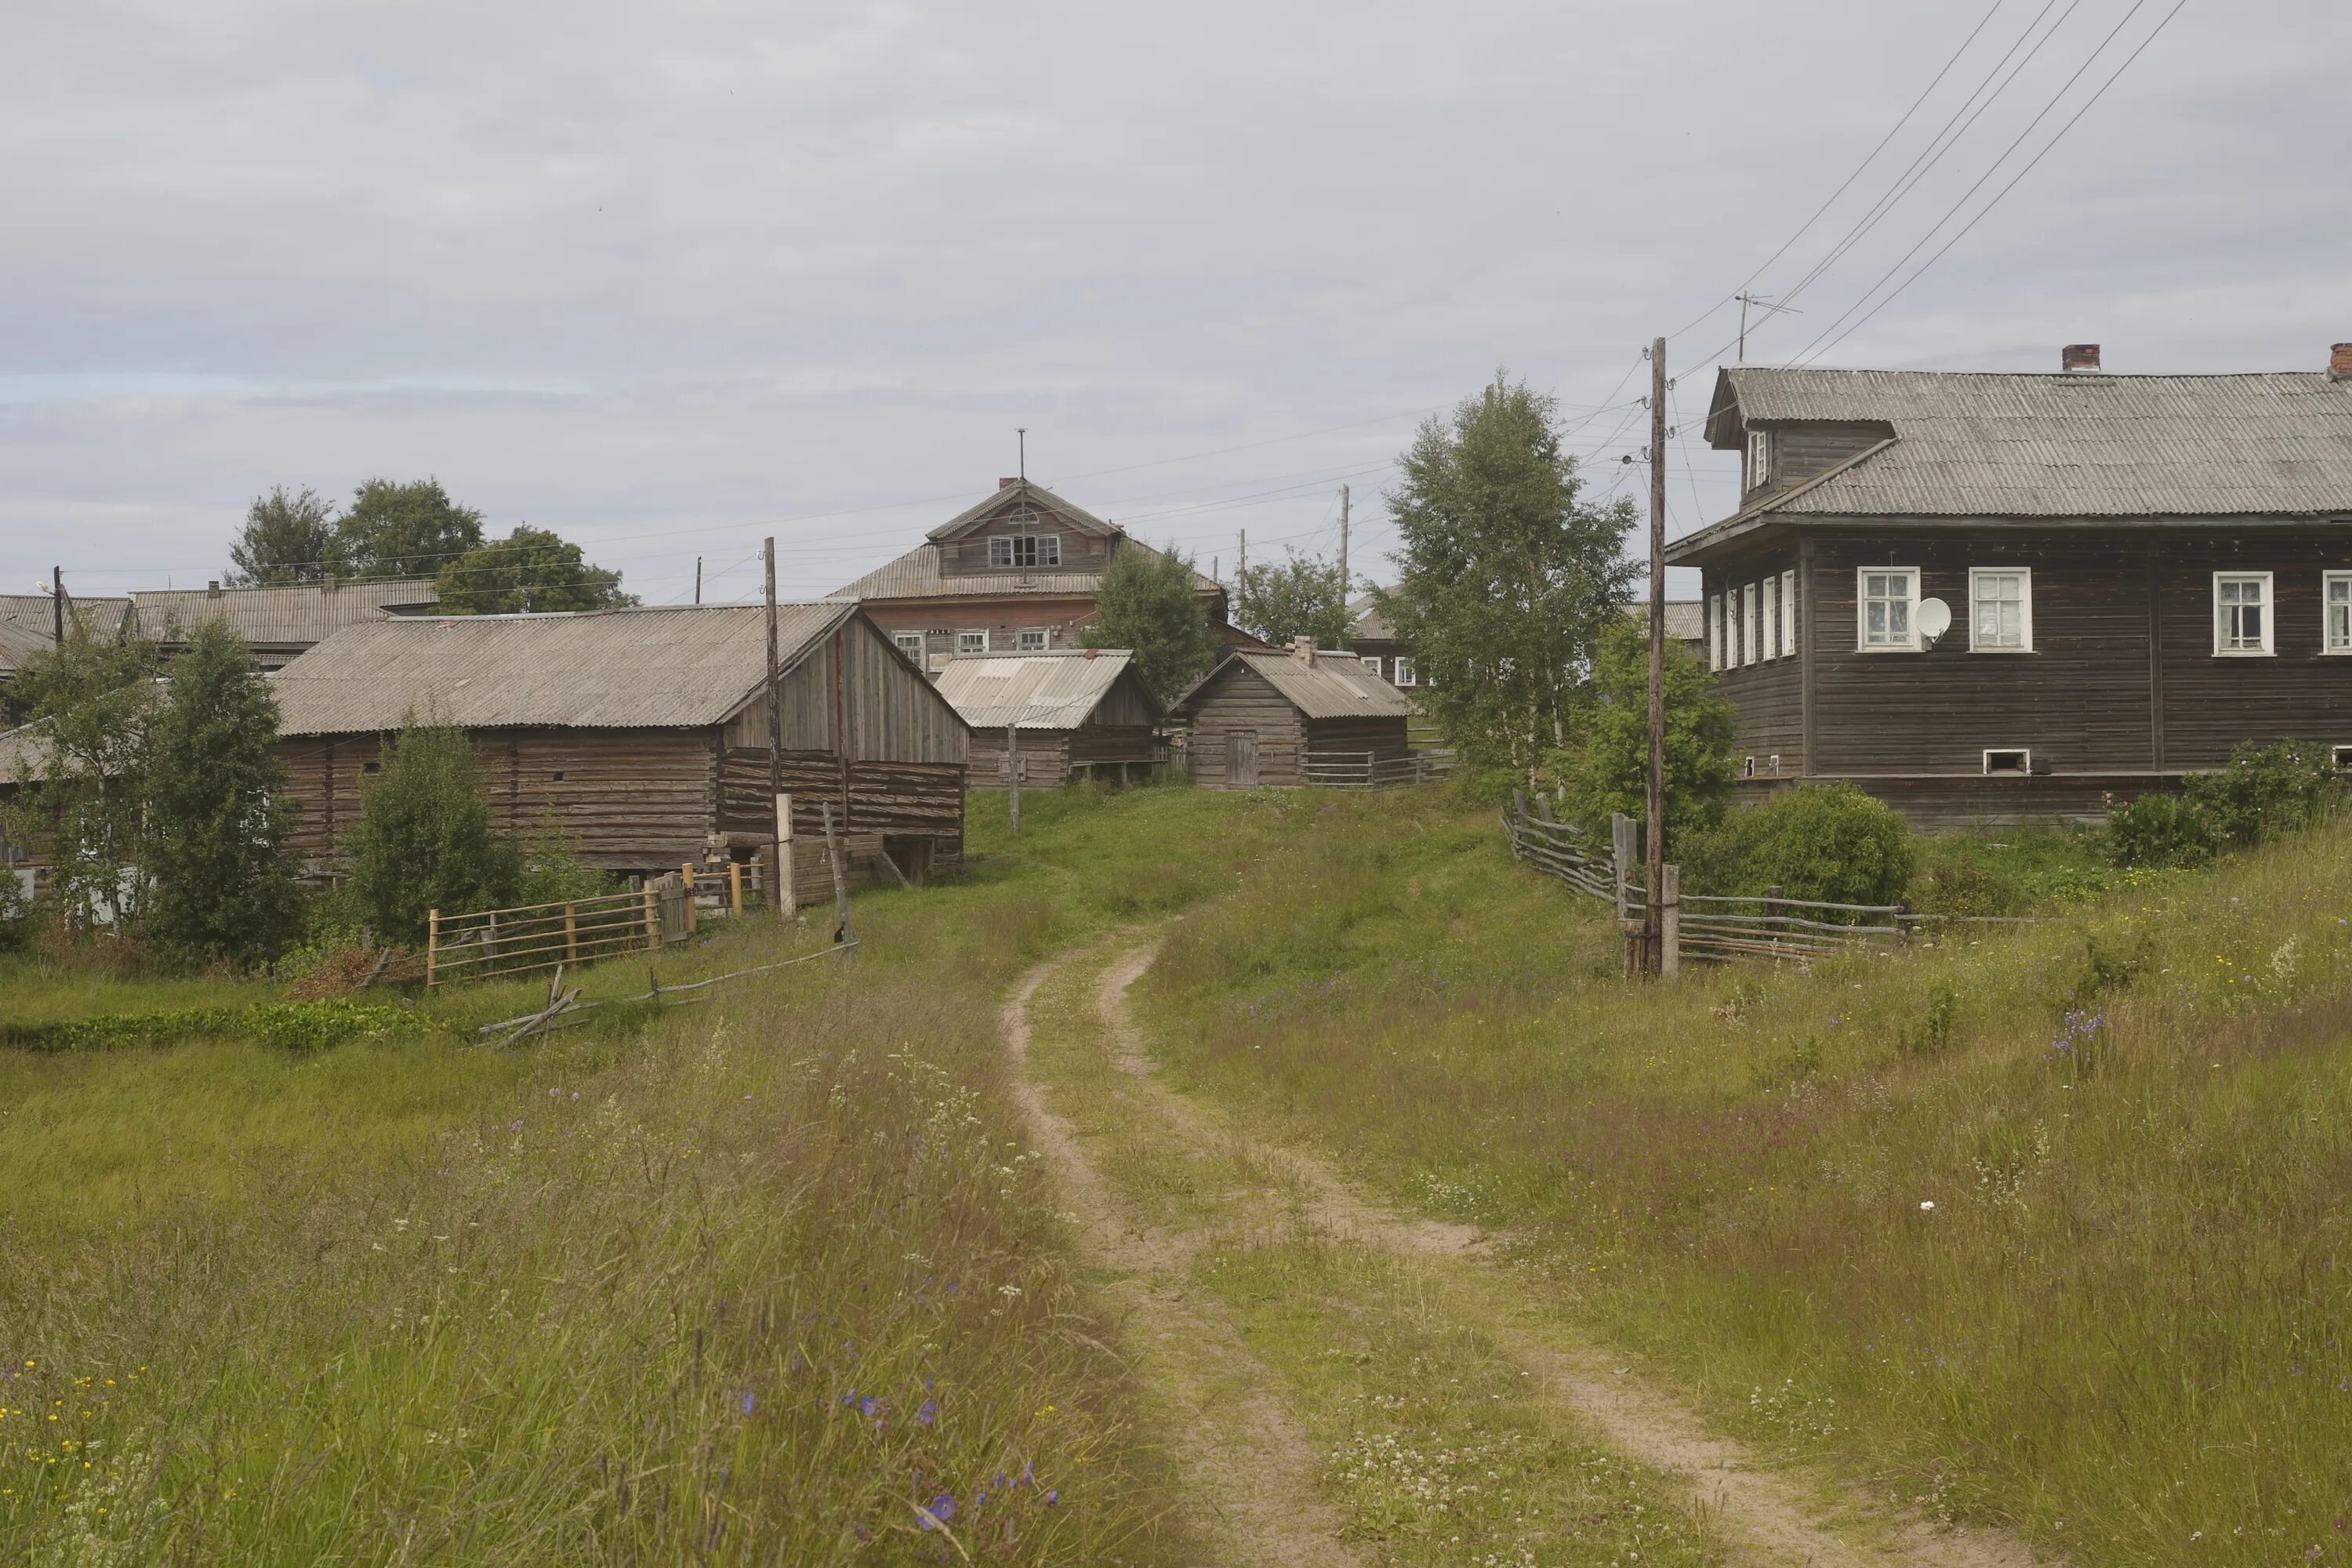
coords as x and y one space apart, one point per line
858 679
1046 753
2211 703
1238 697
1382 737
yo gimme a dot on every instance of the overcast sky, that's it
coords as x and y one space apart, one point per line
667 278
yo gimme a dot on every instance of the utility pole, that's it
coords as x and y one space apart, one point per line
1241 562
57 605
697 580
778 878
1653 910
1343 550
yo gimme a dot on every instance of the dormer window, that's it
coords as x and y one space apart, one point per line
1025 549
1760 459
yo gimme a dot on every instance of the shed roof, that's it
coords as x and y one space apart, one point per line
635 669
2063 444
1337 686
1059 690
280 615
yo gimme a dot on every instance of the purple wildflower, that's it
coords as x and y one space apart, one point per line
748 1402
942 1508
868 1406
518 1126
1052 1498
928 1413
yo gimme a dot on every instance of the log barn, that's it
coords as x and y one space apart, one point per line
1295 717
642 734
1995 598
1073 712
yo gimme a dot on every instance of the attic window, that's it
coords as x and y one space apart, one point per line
1760 459
1025 549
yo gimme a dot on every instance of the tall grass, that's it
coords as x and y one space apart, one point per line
2051 1228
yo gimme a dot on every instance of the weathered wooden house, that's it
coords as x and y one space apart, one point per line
642 734
1993 598
1074 713
1297 717
280 622
1017 573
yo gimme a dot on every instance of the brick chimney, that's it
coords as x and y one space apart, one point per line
2339 363
1007 484
213 590
2079 356
1302 648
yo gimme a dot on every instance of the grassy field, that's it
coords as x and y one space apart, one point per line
2050 1229
765 1282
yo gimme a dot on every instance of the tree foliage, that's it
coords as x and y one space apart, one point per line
222 883
91 703
1301 595
404 530
1605 768
1146 604
424 839
286 539
1823 842
1506 577
530 569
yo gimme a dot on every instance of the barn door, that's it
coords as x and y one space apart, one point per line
1240 759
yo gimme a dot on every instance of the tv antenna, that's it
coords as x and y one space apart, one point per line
1760 302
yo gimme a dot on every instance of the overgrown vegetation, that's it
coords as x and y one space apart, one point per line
2263 792
1606 767
1825 842
425 840
1298 596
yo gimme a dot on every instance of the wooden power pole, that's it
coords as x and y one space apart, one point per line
1343 550
58 604
779 878
1653 934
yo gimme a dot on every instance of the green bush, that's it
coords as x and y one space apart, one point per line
424 839
1827 843
1955 878
2160 831
2263 792
16 915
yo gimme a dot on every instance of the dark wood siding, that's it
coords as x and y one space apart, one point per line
2211 703
1349 737
1802 452
1238 697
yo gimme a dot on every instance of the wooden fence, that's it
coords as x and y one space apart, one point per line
1370 770
531 937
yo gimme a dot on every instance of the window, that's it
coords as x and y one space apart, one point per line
2018 762
1788 616
1752 600
2000 601
911 645
1714 631
1371 662
2340 755
1748 768
2336 596
1772 616
1025 549
2241 621
972 642
1888 596
1404 673
1033 639
1760 459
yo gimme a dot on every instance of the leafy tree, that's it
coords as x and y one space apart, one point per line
1606 768
1825 842
223 883
1146 604
92 702
530 569
425 838
286 539
404 530
1300 596
1506 577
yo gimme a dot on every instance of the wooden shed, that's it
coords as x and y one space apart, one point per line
1071 713
643 733
1299 717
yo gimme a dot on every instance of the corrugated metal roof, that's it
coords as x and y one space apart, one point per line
1337 686
1685 618
23 755
292 613
2064 444
603 669
916 575
1037 495
31 613
1366 622
17 644
1056 690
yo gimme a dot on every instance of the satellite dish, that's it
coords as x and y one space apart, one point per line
1934 618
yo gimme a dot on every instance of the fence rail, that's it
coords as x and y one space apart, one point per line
1371 770
531 937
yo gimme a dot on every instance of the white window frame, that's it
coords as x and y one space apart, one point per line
1788 615
1405 672
1371 661
1045 550
2023 754
2329 582
1043 639
1760 459
1861 576
2024 608
1772 591
2269 607
1714 650
913 644
1751 601
965 636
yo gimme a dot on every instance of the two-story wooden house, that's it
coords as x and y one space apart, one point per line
1017 573
2007 597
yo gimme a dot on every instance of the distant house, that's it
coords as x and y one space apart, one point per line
29 623
2007 597
1017 573
1071 713
278 623
1297 717
1373 640
643 733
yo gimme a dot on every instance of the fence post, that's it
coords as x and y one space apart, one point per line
1772 931
735 888
840 878
490 941
686 875
1621 862
1902 913
432 943
571 934
1670 921
781 893
653 917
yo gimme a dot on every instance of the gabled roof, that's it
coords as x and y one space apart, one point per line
635 669
1056 690
277 615
1337 686
31 613
1365 621
17 644
2063 444
916 575
1035 495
